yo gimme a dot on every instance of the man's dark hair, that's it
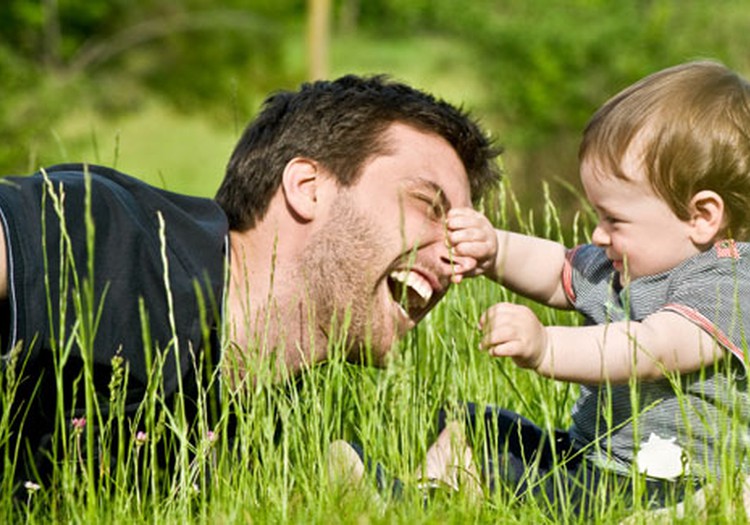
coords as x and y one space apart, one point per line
340 124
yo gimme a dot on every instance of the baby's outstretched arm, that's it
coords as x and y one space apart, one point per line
527 265
661 344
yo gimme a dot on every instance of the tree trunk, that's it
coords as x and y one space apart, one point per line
318 36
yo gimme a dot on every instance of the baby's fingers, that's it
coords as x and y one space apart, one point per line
505 349
461 218
514 331
464 235
462 266
481 250
500 341
497 326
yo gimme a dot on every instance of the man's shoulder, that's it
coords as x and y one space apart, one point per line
72 177
113 190
74 174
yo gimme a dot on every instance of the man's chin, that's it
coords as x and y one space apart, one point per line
369 355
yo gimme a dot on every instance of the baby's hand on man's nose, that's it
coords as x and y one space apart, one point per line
472 241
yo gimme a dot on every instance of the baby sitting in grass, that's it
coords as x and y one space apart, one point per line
664 288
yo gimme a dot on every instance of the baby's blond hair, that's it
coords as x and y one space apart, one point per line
693 125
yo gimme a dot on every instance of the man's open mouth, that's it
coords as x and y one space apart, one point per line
411 292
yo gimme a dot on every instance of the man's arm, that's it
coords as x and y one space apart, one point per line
3 266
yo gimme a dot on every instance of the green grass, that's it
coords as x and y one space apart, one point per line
262 476
178 152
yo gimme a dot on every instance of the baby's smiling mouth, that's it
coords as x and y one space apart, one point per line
411 291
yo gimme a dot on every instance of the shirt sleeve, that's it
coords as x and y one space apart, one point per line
587 274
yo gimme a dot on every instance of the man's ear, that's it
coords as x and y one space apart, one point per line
300 186
706 217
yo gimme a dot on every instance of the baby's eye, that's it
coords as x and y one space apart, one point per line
610 219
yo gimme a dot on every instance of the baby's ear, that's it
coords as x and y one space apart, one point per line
300 185
706 217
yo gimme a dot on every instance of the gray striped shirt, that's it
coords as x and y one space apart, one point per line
707 413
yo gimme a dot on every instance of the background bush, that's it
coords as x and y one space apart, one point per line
533 70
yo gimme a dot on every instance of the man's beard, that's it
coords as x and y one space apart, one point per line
341 271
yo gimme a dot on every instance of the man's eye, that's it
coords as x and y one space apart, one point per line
434 206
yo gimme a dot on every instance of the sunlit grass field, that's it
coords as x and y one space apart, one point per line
270 465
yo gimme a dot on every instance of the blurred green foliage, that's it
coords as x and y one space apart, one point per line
549 64
114 55
544 65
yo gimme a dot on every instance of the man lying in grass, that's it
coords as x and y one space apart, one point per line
329 222
665 292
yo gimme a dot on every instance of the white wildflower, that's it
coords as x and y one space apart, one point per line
31 487
661 458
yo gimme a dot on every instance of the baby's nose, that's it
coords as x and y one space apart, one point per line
599 236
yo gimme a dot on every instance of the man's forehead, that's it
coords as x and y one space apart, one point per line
435 163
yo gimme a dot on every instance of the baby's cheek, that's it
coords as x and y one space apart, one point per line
619 247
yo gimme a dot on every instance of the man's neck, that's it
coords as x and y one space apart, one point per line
268 321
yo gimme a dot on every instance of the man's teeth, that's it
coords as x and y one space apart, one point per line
414 282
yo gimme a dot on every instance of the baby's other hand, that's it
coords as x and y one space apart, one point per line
513 330
473 242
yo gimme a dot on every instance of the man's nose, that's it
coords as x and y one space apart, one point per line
446 260
599 236
433 245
